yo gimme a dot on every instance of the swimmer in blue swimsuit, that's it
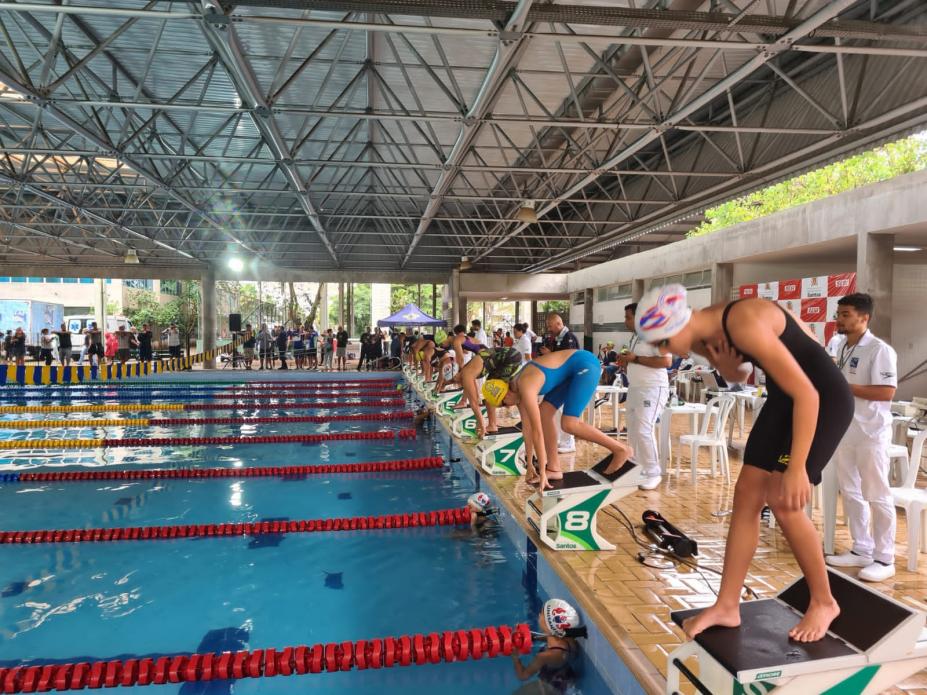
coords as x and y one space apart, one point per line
565 378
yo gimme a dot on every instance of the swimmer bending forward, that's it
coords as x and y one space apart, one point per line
808 409
565 378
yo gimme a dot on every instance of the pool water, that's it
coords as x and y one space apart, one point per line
101 601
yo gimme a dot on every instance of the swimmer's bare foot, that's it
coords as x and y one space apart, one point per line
553 475
712 616
817 620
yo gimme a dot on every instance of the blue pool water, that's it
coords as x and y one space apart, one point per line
75 602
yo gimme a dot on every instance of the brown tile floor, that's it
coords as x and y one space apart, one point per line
631 603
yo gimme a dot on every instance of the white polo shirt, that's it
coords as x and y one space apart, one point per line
640 376
871 362
523 345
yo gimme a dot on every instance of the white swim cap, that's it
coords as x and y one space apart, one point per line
661 313
480 500
560 616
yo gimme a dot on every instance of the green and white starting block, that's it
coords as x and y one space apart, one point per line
464 425
875 643
446 403
503 452
565 517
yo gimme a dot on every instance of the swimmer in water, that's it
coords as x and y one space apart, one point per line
481 509
558 622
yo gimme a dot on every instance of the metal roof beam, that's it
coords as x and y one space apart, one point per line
236 64
506 58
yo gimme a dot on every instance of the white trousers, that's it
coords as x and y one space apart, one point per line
862 474
643 407
564 440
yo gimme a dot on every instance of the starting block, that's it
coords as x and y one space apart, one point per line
446 402
464 425
503 452
565 517
875 643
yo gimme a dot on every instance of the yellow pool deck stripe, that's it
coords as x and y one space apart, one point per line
88 408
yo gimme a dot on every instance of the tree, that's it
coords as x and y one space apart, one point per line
145 308
880 164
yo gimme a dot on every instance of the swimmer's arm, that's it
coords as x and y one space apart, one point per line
458 350
527 432
542 659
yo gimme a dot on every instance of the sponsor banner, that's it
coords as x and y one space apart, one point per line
814 311
748 291
832 307
841 284
768 290
790 289
830 330
812 288
793 306
819 330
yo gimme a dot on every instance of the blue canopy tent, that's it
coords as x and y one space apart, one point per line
410 315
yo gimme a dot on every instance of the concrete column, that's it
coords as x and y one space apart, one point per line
532 319
587 319
517 312
341 303
323 308
875 260
446 306
458 303
722 282
208 315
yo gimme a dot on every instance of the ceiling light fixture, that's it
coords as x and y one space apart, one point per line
526 213
908 249
132 257
236 264
465 263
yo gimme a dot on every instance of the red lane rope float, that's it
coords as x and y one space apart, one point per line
282 395
321 405
444 517
419 464
363 417
432 648
261 439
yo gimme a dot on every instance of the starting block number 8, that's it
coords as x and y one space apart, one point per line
576 520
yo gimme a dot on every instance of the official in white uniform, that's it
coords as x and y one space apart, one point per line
870 366
560 337
648 391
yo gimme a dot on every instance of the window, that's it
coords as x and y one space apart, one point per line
4 279
614 292
87 281
171 287
70 281
579 299
36 279
53 281
17 279
139 284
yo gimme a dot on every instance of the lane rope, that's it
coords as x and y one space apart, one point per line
419 649
286 395
113 407
328 383
419 464
443 517
170 422
204 441
235 388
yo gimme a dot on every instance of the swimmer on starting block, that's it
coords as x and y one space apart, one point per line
808 409
559 623
420 354
481 509
565 378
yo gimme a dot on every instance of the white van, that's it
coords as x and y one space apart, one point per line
78 322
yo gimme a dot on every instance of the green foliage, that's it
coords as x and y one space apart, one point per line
145 308
400 295
880 164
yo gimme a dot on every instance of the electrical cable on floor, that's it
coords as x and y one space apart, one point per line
629 526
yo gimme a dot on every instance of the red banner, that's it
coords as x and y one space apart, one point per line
830 328
814 310
748 291
790 289
841 284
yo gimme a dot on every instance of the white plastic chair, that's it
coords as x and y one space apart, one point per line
898 464
914 502
712 434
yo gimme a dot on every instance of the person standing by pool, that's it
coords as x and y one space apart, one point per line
567 380
342 350
64 345
282 341
248 342
96 344
18 346
173 341
808 409
329 349
46 343
299 346
265 342
560 337
124 341
144 338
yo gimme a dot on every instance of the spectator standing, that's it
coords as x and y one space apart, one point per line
342 354
8 346
96 344
248 341
18 345
265 342
282 341
145 338
124 342
64 345
173 341
46 343
329 349
870 366
508 340
523 342
560 337
477 327
299 346
312 346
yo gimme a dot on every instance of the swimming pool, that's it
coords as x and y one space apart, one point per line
101 601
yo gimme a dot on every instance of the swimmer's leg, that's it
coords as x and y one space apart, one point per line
805 542
742 538
549 430
620 452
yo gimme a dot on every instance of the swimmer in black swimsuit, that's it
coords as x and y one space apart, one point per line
553 664
807 411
